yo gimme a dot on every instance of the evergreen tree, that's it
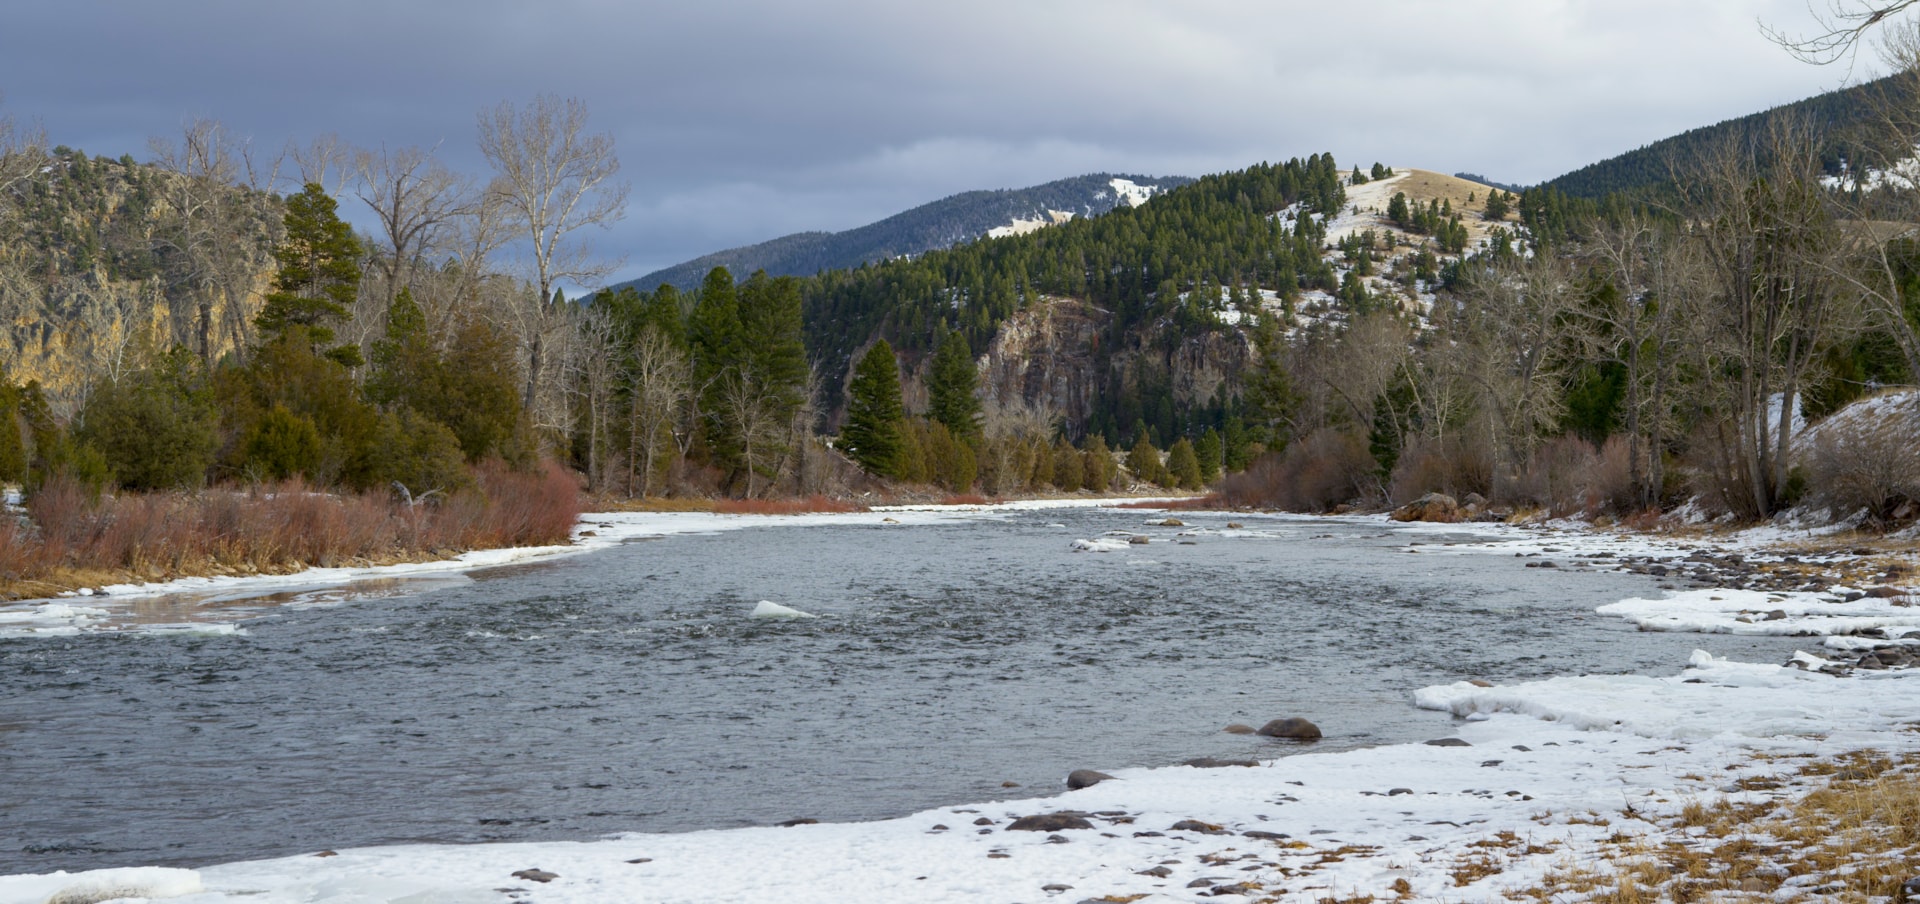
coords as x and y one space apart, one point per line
13 434
1143 460
1100 468
1357 178
1381 172
319 275
156 426
1496 206
1183 465
1210 450
951 384
1398 212
874 412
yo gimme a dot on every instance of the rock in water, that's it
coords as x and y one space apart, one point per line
775 610
1085 778
1435 507
1296 729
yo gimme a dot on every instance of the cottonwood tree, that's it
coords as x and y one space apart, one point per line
659 407
1508 326
1635 319
552 178
215 232
417 202
1768 240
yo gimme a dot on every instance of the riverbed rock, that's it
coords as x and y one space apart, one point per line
1207 762
1173 522
1195 825
1295 728
1050 822
1085 778
1447 742
1139 540
1438 508
536 875
1235 525
1237 728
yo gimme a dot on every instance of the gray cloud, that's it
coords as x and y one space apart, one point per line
741 121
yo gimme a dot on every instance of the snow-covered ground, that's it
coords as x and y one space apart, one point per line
1538 775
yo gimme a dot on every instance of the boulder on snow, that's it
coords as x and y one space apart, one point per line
1438 508
1050 822
1085 778
1296 729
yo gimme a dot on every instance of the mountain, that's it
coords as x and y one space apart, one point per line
1842 118
940 224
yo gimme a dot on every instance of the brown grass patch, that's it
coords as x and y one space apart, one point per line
72 539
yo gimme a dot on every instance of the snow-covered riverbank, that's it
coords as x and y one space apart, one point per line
1539 777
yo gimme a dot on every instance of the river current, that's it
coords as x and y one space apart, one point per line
627 690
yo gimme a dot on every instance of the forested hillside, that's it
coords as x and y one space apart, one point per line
940 224
1850 122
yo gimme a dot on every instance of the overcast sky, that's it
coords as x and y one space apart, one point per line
737 122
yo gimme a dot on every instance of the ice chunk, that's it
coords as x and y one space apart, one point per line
1104 544
775 610
93 886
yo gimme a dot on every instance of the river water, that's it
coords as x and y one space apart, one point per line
627 690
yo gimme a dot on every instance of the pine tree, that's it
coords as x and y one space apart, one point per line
951 384
156 427
874 412
13 431
1143 460
319 275
1496 205
1210 450
1183 466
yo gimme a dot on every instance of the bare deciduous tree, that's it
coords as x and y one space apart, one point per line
417 201
659 409
218 237
551 178
1837 32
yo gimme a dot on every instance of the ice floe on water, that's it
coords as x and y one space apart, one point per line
768 609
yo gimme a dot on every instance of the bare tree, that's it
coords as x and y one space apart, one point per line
552 178
417 200
219 233
1769 243
1509 328
326 161
659 409
1635 323
757 420
1837 32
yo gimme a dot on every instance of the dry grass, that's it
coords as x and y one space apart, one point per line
72 539
1856 838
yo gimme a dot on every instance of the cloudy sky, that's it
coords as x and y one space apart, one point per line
741 120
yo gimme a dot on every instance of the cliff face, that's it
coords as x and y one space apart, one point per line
103 259
1058 355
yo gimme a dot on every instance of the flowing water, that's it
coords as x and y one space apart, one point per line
626 690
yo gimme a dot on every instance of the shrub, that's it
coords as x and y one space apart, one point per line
1869 464
1329 467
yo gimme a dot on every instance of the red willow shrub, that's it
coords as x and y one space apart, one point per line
72 536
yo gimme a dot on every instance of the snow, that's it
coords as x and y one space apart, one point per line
1102 544
1021 226
768 609
1562 764
1132 193
1362 200
100 885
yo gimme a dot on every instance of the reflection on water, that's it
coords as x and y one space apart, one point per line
628 690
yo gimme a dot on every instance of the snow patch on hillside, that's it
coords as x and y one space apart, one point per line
1131 193
1022 227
